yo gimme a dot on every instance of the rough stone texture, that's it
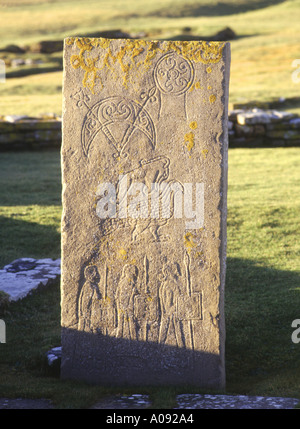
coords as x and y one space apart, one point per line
184 401
143 295
19 277
25 404
263 128
23 132
258 116
53 356
195 401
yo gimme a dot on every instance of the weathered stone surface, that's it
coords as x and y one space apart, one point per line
295 123
143 288
258 116
278 127
194 401
285 134
23 275
244 130
259 130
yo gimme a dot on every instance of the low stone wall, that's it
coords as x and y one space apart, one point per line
247 128
23 132
263 128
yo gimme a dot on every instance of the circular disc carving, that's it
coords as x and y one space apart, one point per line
173 74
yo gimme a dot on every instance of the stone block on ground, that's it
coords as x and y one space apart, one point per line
23 275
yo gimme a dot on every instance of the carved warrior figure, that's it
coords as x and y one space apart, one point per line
89 298
125 293
170 329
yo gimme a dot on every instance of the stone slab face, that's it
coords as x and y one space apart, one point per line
144 161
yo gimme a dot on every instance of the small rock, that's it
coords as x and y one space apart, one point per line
14 118
17 62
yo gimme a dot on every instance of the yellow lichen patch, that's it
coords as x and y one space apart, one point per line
204 152
192 88
199 254
122 253
189 141
195 85
212 98
189 241
204 52
209 87
208 70
106 301
193 125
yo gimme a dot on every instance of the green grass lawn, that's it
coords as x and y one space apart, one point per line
267 42
263 274
30 205
262 287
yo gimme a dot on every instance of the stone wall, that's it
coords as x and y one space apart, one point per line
247 128
263 128
23 132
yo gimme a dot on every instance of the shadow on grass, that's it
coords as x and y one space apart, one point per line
189 37
30 178
27 239
261 303
22 72
190 9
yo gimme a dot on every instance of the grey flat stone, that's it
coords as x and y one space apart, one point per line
134 401
23 275
197 401
20 403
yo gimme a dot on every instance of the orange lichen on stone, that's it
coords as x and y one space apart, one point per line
212 98
204 152
189 241
204 52
189 141
122 253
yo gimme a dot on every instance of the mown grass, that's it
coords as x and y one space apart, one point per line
268 42
262 285
30 210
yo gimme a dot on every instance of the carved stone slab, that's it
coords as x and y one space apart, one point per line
144 161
